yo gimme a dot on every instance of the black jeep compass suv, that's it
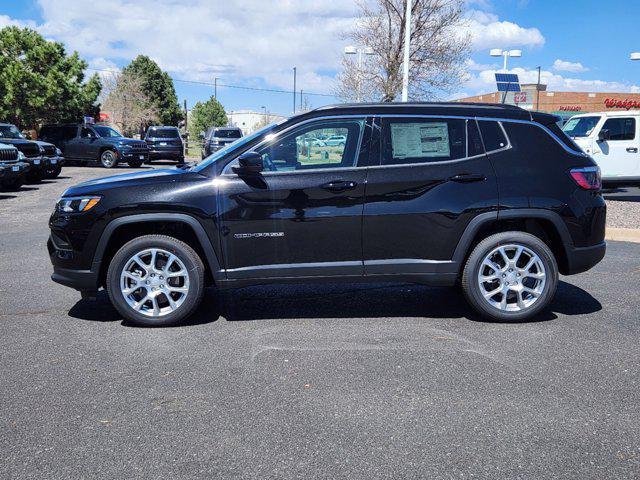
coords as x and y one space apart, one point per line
494 198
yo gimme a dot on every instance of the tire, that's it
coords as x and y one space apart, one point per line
528 292
187 260
135 163
108 159
12 185
54 172
180 161
35 176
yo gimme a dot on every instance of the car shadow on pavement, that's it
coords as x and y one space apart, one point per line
341 301
621 194
6 197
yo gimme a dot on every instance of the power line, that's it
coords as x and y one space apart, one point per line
240 87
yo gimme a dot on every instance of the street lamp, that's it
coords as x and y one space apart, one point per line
351 50
635 56
498 52
264 112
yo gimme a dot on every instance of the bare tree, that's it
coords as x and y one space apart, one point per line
439 47
127 105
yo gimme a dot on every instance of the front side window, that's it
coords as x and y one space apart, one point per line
107 132
323 144
580 126
86 133
411 140
620 128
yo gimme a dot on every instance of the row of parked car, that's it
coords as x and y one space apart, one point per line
30 161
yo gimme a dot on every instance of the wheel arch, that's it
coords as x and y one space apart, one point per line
182 226
544 224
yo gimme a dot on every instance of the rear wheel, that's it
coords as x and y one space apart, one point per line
108 159
510 276
13 185
155 280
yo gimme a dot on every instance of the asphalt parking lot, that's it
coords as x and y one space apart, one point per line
338 381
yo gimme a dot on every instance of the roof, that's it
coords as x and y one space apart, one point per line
430 108
610 113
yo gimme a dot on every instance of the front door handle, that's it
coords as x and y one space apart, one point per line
339 186
632 150
468 177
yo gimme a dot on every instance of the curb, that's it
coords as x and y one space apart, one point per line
622 235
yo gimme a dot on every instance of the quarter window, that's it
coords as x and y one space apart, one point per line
620 128
492 135
410 140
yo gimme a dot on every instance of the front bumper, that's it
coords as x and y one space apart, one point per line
581 259
39 163
133 156
9 171
61 253
55 161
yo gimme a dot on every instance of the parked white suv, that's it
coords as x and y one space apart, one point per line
612 139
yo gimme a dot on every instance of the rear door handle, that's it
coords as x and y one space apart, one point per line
468 177
339 186
632 150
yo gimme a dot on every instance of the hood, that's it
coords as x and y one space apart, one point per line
43 144
127 180
17 141
124 140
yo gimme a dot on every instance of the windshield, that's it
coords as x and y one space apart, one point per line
226 134
107 131
163 133
9 131
233 146
580 126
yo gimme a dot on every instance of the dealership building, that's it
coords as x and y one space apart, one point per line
564 104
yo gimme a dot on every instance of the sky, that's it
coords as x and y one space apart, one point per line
580 45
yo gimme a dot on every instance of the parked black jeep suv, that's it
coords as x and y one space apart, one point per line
494 198
164 143
219 137
34 152
95 143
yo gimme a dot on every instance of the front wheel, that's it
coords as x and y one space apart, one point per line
54 172
108 159
12 185
510 276
135 163
155 280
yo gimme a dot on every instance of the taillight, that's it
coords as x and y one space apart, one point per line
587 177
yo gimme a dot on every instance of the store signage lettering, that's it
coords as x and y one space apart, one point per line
617 103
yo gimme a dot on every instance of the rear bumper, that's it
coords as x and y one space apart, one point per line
166 154
581 259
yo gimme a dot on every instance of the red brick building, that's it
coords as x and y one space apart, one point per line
564 104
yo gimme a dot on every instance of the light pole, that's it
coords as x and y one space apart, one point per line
407 49
498 52
351 50
264 112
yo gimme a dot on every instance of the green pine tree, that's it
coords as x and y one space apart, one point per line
40 83
206 115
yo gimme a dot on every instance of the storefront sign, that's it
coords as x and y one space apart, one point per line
617 103
570 108
520 97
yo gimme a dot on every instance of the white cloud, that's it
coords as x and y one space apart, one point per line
485 82
564 66
6 21
487 31
202 39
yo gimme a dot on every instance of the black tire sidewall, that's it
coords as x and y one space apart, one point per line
473 264
186 254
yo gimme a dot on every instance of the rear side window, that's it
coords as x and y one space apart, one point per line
562 136
621 128
411 140
492 135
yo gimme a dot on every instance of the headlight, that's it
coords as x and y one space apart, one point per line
58 152
21 156
40 148
77 204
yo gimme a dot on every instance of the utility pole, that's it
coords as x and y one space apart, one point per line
407 49
294 90
538 91
215 88
186 128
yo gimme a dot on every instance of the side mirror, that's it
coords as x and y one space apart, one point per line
604 135
249 163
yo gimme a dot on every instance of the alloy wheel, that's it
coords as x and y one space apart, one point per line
511 278
154 282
